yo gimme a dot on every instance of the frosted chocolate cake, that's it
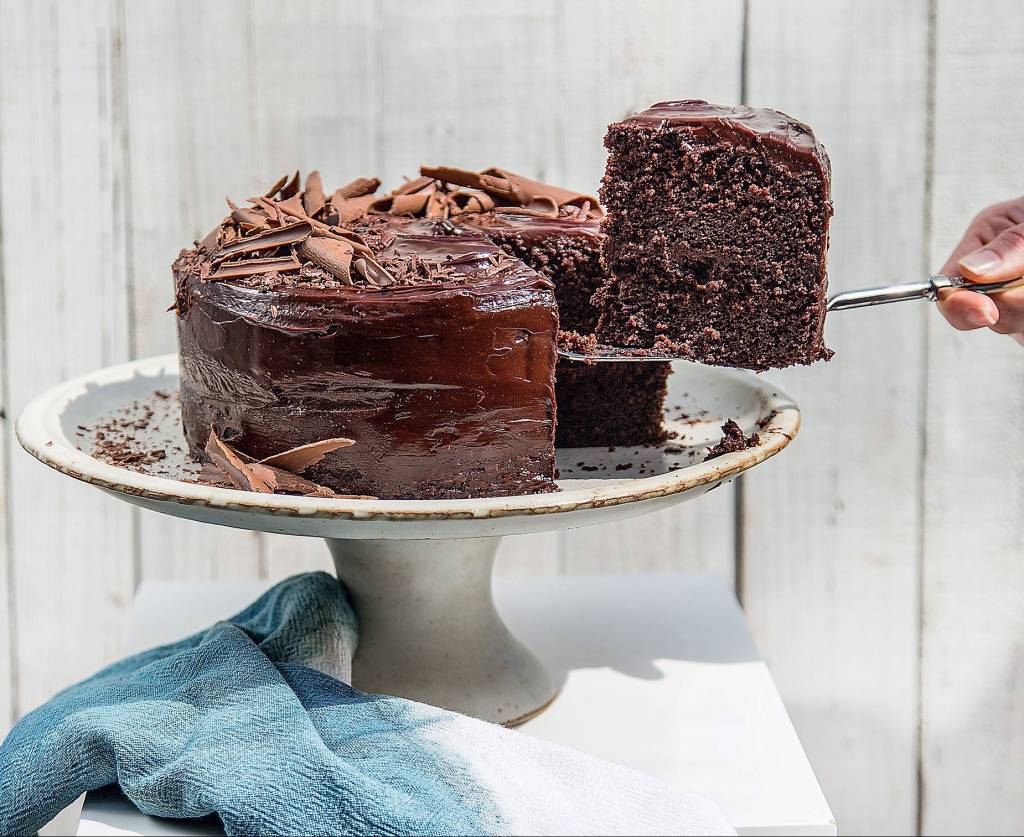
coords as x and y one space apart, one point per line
556 232
411 365
716 235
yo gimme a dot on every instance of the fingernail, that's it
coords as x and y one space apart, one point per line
981 262
980 318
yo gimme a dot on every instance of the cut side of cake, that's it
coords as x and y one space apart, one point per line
556 232
300 320
716 236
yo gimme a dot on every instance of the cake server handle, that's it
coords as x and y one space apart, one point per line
926 289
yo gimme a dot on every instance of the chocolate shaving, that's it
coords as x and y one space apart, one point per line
210 474
358 188
313 197
268 240
291 188
278 185
351 209
410 187
511 189
285 482
415 185
468 201
246 217
299 459
253 267
455 176
337 232
228 462
293 207
409 204
332 254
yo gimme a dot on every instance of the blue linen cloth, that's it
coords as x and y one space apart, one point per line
250 720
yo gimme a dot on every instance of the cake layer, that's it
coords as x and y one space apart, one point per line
716 235
610 404
446 386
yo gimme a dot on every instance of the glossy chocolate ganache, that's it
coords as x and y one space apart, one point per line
308 321
557 232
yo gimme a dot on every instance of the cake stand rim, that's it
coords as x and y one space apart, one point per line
38 431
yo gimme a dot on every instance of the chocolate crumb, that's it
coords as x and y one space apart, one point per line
733 439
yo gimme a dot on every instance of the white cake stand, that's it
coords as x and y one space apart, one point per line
419 571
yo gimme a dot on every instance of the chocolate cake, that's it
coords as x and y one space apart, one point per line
716 235
556 232
300 321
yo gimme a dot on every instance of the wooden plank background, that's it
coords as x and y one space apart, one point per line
879 558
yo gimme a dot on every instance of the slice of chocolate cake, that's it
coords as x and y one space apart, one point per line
716 235
433 355
556 232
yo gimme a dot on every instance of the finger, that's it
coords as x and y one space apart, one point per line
1010 306
967 310
1001 258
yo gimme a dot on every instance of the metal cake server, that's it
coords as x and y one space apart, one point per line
929 288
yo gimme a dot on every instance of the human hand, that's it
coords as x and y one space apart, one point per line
991 250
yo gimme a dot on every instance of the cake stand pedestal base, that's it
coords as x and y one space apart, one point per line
429 630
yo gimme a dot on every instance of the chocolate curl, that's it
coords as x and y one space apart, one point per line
313 197
291 188
351 209
409 204
272 238
249 218
438 205
535 195
467 201
296 460
228 462
514 189
410 187
210 474
358 188
253 267
293 206
373 272
331 254
285 482
454 176
278 185
272 208
319 227
417 184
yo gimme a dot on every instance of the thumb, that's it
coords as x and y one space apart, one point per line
1002 258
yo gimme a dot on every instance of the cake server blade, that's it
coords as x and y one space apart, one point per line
930 288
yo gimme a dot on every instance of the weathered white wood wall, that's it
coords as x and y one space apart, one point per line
879 558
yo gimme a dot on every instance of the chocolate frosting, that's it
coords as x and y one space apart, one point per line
790 143
446 387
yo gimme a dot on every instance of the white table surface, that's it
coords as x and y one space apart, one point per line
659 673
